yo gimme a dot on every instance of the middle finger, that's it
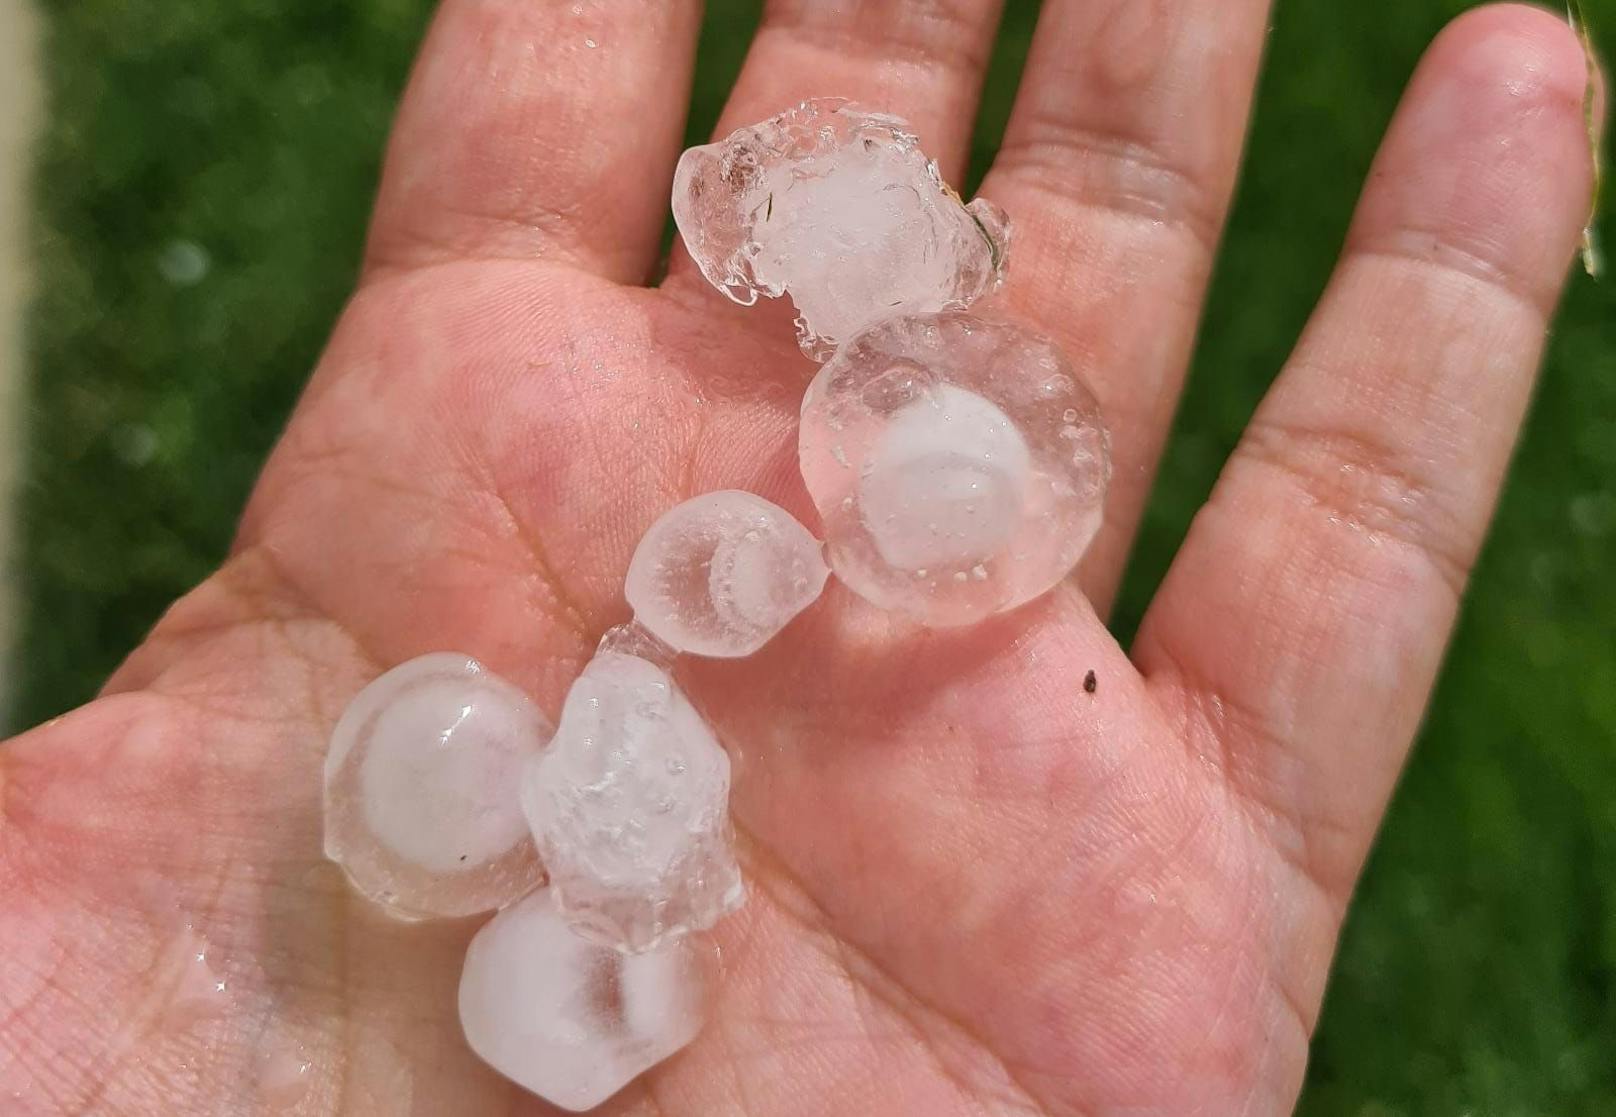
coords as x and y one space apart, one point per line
1117 167
922 60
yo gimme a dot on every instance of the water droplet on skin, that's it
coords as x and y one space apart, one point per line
183 990
283 1076
591 44
195 991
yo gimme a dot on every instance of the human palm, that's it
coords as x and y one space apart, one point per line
977 885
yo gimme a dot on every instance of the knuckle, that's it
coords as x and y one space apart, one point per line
941 34
1370 485
1120 171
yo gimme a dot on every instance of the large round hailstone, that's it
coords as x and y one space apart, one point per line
719 575
569 1019
421 802
959 465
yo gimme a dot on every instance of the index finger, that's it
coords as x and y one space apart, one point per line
541 129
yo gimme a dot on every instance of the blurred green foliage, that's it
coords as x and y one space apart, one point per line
202 193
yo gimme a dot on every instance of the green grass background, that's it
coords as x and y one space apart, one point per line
202 191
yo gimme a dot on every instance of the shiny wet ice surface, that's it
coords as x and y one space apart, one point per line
630 809
421 808
721 574
959 465
839 209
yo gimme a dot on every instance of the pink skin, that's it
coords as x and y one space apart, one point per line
975 888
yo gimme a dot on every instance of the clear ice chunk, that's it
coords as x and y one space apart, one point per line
719 575
959 465
636 640
420 803
840 209
629 807
568 1019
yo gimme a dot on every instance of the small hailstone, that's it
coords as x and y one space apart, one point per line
568 1019
959 465
420 806
629 806
721 574
840 209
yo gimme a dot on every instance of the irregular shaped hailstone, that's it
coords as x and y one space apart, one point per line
721 574
569 1019
840 209
629 806
959 465
420 777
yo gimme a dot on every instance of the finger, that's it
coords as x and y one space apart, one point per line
1302 623
921 61
1117 167
540 129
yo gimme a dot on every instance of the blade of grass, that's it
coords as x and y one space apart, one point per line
1592 262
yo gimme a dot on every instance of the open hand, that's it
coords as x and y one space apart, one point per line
977 885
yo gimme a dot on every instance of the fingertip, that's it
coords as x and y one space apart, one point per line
1531 51
1488 165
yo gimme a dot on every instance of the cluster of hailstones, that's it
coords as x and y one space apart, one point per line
958 465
